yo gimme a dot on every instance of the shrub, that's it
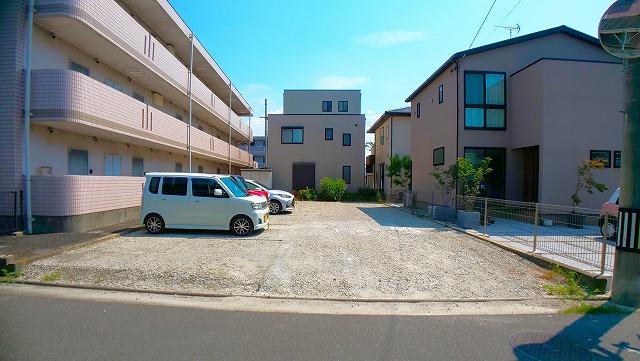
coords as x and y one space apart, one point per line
332 189
362 195
307 194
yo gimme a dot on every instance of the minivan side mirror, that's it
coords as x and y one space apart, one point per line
217 192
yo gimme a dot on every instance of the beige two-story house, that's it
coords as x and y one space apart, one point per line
538 105
320 134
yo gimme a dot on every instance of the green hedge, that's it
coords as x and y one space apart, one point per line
332 189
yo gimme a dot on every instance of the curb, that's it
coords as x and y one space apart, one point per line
27 260
294 298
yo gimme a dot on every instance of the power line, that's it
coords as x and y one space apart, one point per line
481 25
503 19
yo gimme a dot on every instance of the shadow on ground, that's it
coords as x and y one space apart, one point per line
391 217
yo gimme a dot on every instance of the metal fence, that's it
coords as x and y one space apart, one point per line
10 211
569 235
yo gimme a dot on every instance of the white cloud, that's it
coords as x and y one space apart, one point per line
341 82
385 39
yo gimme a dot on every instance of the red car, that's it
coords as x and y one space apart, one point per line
245 187
610 208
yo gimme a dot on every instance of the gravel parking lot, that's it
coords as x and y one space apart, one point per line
342 250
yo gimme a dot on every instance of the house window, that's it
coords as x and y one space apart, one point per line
617 159
343 106
438 156
382 137
153 185
388 131
328 133
137 167
138 97
441 94
346 139
418 110
485 95
178 167
112 164
79 68
200 169
174 186
292 135
602 155
327 106
113 84
346 173
78 162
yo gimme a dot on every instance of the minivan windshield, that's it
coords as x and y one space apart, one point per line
233 187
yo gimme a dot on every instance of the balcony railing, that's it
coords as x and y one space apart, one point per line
60 95
113 23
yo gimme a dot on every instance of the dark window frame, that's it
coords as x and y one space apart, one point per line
186 186
343 102
441 94
617 153
484 106
325 134
608 163
418 110
329 106
434 156
291 128
343 139
346 167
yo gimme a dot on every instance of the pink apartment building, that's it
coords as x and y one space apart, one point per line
538 105
109 102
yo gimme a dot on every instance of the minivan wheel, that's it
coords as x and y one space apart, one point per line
241 225
609 230
154 224
274 207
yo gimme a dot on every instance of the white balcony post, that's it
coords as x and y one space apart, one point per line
229 120
27 119
190 104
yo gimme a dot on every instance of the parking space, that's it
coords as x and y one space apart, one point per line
342 250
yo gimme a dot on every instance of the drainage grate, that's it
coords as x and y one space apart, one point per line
548 347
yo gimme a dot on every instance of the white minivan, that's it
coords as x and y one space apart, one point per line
200 201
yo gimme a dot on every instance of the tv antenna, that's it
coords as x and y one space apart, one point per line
512 29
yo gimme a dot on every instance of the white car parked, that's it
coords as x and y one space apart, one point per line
200 201
279 201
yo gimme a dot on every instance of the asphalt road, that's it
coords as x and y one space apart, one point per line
38 328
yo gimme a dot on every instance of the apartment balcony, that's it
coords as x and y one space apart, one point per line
72 101
106 31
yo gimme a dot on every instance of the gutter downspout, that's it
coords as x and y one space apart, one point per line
190 100
457 120
26 154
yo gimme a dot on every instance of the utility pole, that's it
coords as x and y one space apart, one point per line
619 36
266 135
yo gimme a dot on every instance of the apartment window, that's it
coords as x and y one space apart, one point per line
292 135
485 95
137 167
346 173
343 106
328 133
418 110
78 162
178 167
153 185
327 106
112 164
79 68
258 158
174 186
602 155
382 137
617 159
200 169
346 139
438 156
441 94
138 97
113 84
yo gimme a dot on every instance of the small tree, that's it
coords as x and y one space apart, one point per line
399 170
446 181
470 177
586 181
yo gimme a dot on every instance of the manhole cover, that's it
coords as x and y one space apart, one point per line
548 347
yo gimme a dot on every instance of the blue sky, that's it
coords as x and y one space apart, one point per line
385 48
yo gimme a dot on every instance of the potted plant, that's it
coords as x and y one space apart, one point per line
469 178
585 181
399 170
446 182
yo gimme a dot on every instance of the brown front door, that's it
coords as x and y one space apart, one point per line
304 175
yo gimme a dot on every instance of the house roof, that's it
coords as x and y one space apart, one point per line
400 112
560 29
